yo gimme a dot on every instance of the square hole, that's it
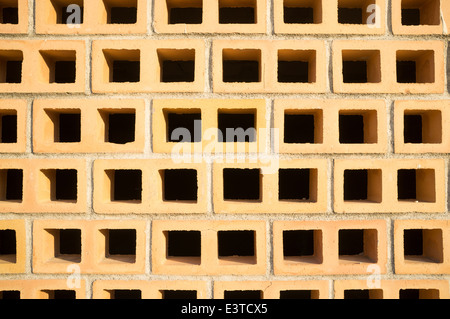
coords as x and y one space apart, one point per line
187 12
176 65
302 246
297 185
363 185
66 125
11 186
126 185
358 127
184 246
303 126
237 245
361 66
237 125
11 66
358 245
415 66
422 126
243 294
8 244
419 294
299 294
417 185
363 294
421 12
120 125
120 244
302 12
9 12
66 184
241 65
60 66
183 126
65 14
123 12
67 244
8 128
179 294
180 185
9 294
241 184
62 185
423 245
126 294
296 66
61 294
237 12
124 65
354 11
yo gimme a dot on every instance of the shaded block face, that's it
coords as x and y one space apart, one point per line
236 243
179 294
421 12
302 128
64 15
127 185
184 128
241 184
183 243
180 185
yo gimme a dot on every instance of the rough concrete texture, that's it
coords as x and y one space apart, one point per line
347 197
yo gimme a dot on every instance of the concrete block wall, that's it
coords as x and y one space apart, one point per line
341 192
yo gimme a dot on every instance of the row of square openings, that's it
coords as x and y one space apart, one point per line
59 66
413 12
237 294
360 245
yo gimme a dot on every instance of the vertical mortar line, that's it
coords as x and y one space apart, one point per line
331 288
270 17
390 247
28 245
150 10
270 138
88 67
148 244
90 186
29 127
209 86
447 65
388 17
390 126
210 288
31 18
209 186
269 248
329 66
330 185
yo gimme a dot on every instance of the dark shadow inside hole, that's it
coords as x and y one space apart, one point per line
241 184
183 244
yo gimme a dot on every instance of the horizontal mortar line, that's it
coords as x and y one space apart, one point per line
224 36
270 218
